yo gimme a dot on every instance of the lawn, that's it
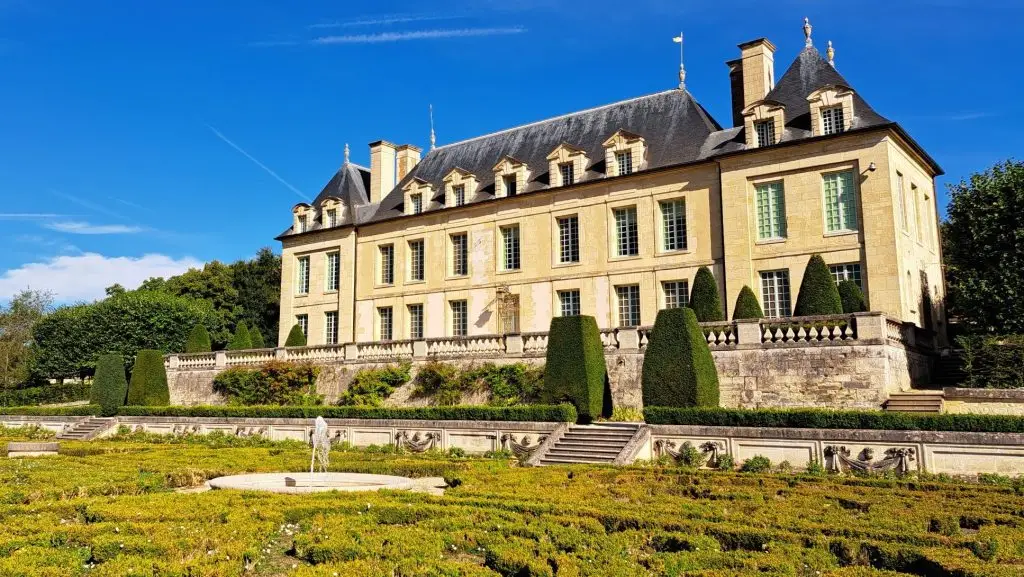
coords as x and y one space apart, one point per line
111 508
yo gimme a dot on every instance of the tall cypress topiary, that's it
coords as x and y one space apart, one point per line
818 293
198 340
256 338
240 341
704 298
575 369
296 338
678 368
109 385
852 297
148 386
747 306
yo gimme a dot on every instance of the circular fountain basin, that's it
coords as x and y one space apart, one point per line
315 483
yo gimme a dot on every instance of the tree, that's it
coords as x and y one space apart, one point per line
852 297
984 251
818 293
678 368
109 387
114 290
148 386
198 340
256 338
258 282
575 371
16 321
213 284
704 298
241 340
747 306
296 338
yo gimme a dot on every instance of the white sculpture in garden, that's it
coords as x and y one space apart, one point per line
321 447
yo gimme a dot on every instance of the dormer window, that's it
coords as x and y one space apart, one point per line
459 187
625 153
331 217
832 120
568 173
624 162
765 132
763 122
303 223
459 194
832 109
416 193
416 201
510 177
509 184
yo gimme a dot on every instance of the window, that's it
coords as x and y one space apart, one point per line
303 223
569 239
624 160
629 305
626 236
333 270
902 200
673 225
417 203
332 217
509 182
386 326
569 303
775 293
677 293
832 120
841 272
840 204
387 264
460 318
765 132
459 192
771 211
460 257
303 280
416 260
331 328
917 212
303 322
415 321
568 171
510 247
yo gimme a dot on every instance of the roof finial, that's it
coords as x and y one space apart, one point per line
682 71
807 32
346 153
433 137
831 52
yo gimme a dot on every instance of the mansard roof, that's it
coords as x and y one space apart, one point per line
349 185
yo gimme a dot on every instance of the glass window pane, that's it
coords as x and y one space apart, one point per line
775 293
677 293
629 305
510 247
460 255
627 236
460 318
568 239
673 225
416 321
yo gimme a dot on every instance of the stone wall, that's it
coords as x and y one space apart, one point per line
984 401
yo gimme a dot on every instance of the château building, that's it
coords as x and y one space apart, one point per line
610 211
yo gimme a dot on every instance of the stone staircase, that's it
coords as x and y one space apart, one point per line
86 429
925 402
596 443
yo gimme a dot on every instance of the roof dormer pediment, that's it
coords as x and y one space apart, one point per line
830 94
763 108
622 137
508 162
458 174
301 207
565 151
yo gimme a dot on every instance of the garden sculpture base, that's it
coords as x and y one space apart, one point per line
307 483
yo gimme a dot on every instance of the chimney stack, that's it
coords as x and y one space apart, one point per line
752 76
382 169
408 157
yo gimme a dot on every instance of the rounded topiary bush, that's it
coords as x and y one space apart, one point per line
109 385
818 293
678 368
296 338
747 305
256 338
575 369
148 386
241 340
704 298
198 340
852 297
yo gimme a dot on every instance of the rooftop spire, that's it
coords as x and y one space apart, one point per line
682 71
807 32
346 153
831 52
433 137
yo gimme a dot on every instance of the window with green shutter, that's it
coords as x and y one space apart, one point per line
771 211
840 202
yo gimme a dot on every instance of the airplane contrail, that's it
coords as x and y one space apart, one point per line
257 162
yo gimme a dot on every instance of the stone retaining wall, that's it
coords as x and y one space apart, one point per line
984 401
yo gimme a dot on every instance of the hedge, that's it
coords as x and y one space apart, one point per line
818 293
704 298
825 419
993 362
678 369
852 297
296 338
43 395
575 369
109 386
149 380
73 411
564 413
256 338
198 340
747 306
241 340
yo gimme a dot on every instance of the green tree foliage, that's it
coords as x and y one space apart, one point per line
296 338
575 370
818 293
258 282
371 387
984 252
852 297
16 321
747 305
69 340
148 386
678 368
256 338
212 284
109 386
704 298
241 339
198 340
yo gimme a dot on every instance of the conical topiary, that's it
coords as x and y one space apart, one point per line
240 341
704 298
818 293
109 385
198 340
747 306
678 368
296 338
575 369
852 297
256 338
148 386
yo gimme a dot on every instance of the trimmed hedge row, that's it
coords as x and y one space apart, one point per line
73 411
44 395
543 413
824 419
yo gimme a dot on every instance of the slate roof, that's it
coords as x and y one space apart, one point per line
350 184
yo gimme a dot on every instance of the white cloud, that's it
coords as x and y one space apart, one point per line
416 35
86 228
26 215
386 20
84 277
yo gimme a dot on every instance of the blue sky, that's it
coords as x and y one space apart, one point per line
140 138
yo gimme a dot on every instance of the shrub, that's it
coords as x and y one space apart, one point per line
440 381
575 369
109 386
46 394
756 464
149 380
815 468
691 456
564 413
241 340
256 338
72 411
993 362
627 415
296 338
371 387
678 369
508 384
725 462
198 340
704 298
818 293
851 297
747 306
273 383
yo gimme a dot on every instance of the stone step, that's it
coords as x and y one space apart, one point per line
601 434
588 443
573 461
585 450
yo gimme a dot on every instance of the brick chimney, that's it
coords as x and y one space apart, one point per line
382 169
751 76
408 157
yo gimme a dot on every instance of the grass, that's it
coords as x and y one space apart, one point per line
108 508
